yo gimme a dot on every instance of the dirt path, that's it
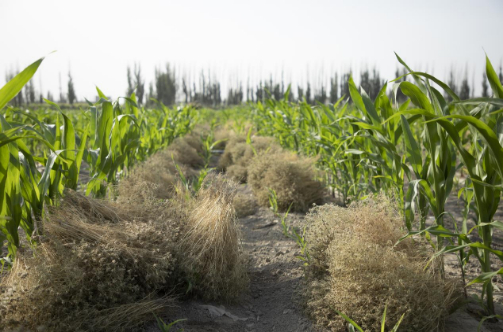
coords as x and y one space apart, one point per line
275 274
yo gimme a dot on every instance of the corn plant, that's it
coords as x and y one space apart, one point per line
483 162
41 152
273 202
191 186
209 144
18 174
411 151
163 327
353 325
300 239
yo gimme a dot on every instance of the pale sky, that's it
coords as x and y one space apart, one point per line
96 40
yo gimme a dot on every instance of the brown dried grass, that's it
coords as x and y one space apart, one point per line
238 155
291 176
238 173
185 151
244 204
86 274
160 172
356 268
194 141
231 154
223 135
210 248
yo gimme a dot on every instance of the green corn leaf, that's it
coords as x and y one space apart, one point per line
412 147
477 101
397 325
411 72
103 128
444 86
82 148
68 143
417 96
485 277
493 78
496 224
45 180
101 94
476 245
349 320
383 320
12 88
487 133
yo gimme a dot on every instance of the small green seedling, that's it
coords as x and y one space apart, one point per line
353 325
163 327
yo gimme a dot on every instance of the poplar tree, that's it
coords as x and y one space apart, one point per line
485 87
72 97
334 89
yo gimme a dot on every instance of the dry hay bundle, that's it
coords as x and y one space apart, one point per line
195 141
244 204
159 172
230 153
186 151
238 155
356 269
143 205
223 136
89 275
290 176
231 132
212 256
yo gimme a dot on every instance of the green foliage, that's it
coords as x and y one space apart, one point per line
382 144
163 327
14 86
273 201
191 187
300 239
353 325
209 144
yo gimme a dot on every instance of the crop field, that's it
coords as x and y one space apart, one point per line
371 213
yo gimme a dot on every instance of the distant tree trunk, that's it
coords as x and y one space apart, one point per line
72 97
485 87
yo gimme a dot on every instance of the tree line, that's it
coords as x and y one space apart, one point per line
171 87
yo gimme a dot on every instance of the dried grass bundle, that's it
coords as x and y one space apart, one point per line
244 204
184 153
210 243
159 172
238 155
356 268
85 272
291 176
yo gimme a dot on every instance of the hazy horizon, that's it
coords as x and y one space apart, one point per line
98 40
